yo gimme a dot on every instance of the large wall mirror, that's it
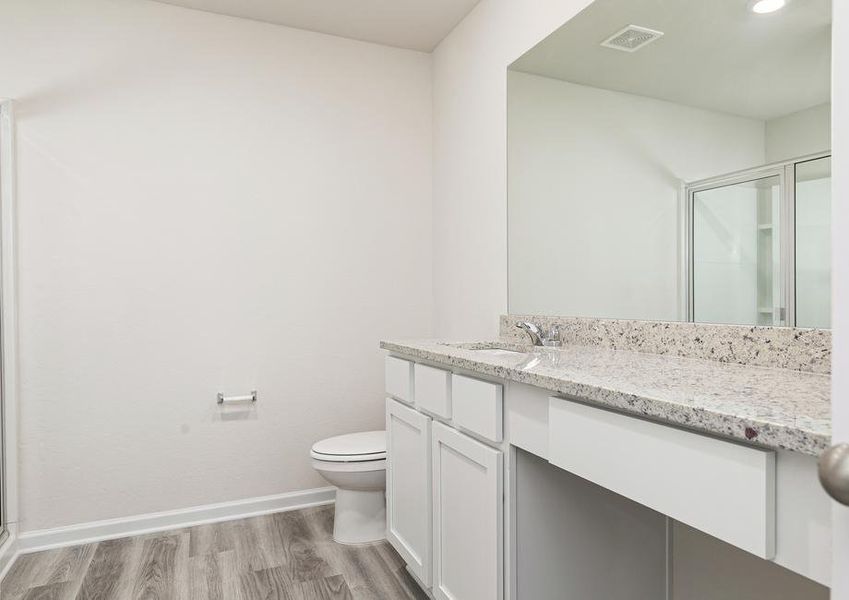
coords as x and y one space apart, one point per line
670 160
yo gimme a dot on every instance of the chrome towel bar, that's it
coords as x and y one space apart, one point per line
228 399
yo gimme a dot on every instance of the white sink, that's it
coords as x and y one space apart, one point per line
496 351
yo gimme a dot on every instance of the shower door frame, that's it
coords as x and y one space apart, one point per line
5 189
8 333
786 173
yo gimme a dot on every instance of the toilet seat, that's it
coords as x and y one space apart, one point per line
366 446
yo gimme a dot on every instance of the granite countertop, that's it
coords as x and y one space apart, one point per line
775 408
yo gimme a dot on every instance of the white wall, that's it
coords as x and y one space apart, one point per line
840 281
206 203
594 185
799 133
565 528
470 157
706 568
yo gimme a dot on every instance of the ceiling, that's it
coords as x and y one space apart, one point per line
714 54
413 24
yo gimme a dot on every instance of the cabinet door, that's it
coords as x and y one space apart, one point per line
467 518
408 490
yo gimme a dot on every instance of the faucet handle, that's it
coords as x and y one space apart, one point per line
553 336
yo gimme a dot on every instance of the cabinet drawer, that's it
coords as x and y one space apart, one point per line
477 406
433 390
399 379
724 489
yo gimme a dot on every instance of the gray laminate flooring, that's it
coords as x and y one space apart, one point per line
284 556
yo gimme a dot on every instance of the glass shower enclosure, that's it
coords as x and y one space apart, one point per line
758 246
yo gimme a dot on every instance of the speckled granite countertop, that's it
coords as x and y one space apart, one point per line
776 408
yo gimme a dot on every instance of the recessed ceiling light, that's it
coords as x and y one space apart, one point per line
763 7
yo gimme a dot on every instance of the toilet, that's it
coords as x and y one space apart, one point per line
356 464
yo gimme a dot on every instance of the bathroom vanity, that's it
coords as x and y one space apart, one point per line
517 471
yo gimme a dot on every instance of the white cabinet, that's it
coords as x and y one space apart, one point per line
467 517
408 490
443 488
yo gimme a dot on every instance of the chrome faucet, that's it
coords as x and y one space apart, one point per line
540 337
534 332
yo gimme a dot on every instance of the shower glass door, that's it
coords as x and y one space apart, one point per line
736 274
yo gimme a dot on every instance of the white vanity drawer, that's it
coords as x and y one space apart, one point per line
478 406
722 488
399 379
433 390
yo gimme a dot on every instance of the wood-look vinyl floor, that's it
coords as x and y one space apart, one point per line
284 556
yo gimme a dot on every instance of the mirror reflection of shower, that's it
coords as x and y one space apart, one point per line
759 245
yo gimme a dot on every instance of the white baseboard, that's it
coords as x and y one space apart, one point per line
427 591
96 531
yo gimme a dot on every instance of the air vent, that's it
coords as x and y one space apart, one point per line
631 38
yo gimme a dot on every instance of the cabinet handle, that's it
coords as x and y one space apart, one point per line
834 472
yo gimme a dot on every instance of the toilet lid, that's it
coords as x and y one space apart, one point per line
363 446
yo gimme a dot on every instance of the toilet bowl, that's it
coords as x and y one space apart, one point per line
356 464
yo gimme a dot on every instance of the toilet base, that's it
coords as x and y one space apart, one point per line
360 516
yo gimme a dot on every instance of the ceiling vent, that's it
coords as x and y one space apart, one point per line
631 38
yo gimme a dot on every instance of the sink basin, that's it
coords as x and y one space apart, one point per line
496 351
499 349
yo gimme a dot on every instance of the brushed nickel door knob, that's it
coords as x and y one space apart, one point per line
834 472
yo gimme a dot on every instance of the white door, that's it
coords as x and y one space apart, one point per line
408 493
467 518
840 282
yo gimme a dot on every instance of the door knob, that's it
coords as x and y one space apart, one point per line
834 472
